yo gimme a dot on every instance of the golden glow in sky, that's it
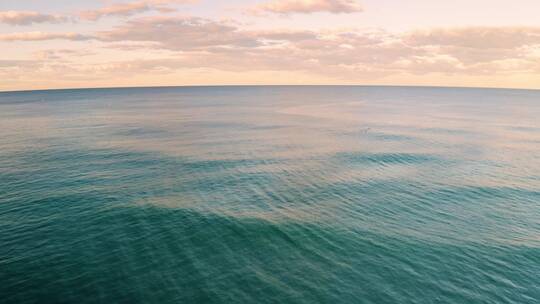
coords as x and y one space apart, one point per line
90 43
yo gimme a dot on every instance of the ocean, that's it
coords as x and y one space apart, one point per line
270 194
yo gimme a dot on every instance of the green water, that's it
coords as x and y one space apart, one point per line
270 195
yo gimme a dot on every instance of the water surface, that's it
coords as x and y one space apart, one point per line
270 195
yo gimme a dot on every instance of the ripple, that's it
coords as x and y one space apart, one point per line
388 158
265 195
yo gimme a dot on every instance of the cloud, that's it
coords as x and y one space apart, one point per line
286 7
187 33
477 45
477 37
18 64
132 8
28 18
214 44
60 54
39 36
346 55
165 46
353 54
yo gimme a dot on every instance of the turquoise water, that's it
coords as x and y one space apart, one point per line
270 195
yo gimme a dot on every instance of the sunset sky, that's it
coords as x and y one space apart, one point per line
90 43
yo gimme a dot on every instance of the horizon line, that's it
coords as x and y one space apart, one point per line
264 85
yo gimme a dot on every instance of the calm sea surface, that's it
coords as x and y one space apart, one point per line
270 195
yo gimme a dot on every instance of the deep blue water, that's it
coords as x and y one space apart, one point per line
270 195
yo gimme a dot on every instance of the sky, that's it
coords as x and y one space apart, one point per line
122 43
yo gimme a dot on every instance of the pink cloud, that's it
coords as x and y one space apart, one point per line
132 8
441 50
39 36
28 17
286 7
179 33
171 44
477 37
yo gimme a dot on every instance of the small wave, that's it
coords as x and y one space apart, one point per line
388 158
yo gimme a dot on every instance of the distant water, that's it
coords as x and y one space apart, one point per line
270 195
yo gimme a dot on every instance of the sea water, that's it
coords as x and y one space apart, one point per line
314 194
